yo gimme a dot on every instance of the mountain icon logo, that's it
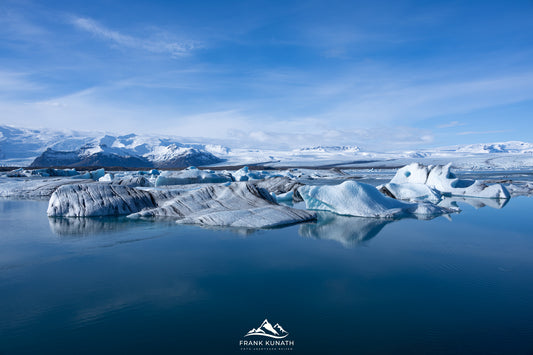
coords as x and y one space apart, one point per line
267 330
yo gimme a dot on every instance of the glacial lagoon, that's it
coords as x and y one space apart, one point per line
343 285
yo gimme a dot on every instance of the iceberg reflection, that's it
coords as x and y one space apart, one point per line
87 226
347 230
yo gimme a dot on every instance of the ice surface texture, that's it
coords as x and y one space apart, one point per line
234 205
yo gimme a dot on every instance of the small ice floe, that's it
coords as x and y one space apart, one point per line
419 182
358 199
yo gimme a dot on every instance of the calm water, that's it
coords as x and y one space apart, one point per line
345 285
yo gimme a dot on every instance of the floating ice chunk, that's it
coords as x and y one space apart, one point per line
190 175
440 178
94 174
358 199
20 172
287 196
244 174
106 178
410 192
132 181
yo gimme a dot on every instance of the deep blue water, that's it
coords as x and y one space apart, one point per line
345 285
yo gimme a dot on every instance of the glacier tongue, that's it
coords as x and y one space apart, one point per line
236 204
357 199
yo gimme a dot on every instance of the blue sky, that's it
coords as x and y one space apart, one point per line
380 74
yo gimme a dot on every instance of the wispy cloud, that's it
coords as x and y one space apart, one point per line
153 45
482 132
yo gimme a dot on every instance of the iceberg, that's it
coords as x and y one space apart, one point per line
244 174
191 175
353 198
233 205
94 174
409 182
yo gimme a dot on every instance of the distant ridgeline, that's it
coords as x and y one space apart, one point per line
41 148
101 157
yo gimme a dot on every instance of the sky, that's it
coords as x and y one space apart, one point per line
275 74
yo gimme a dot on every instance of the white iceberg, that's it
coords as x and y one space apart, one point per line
409 181
358 199
191 175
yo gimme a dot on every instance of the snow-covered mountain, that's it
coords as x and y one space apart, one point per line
43 148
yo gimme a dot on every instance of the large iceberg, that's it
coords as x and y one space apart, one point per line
233 205
416 181
353 198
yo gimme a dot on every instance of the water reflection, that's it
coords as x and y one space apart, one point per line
88 226
349 231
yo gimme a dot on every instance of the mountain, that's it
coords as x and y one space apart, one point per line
266 329
45 148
